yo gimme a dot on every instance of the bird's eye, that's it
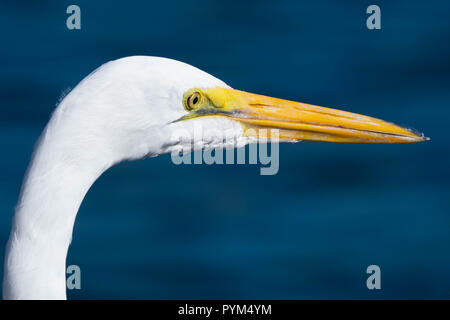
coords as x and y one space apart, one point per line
193 100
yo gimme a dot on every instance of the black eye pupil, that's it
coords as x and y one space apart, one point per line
195 100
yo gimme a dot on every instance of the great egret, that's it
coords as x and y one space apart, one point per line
129 109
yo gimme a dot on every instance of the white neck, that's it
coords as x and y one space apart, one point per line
58 177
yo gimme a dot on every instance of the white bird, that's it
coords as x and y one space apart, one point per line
129 109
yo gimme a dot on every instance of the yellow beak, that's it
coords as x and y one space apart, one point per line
300 121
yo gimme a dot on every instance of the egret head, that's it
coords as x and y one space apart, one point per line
150 106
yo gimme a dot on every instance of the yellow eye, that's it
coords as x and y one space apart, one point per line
193 100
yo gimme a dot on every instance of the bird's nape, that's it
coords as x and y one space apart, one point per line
294 120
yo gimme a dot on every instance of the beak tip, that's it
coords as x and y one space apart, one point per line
421 138
418 136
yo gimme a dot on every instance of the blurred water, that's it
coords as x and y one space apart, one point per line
150 229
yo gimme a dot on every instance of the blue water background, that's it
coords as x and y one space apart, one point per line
150 229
